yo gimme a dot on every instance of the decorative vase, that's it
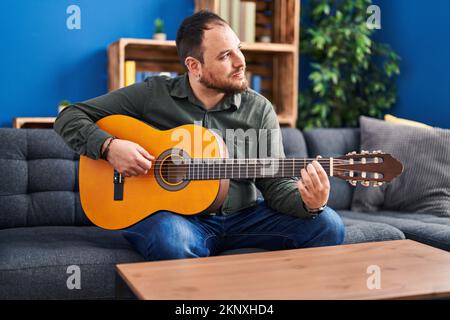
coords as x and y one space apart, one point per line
159 36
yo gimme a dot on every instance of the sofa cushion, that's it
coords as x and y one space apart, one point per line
424 184
34 262
39 180
357 231
421 227
332 143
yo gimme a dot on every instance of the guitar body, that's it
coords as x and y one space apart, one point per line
145 195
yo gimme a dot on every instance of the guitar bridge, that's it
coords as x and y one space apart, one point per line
119 180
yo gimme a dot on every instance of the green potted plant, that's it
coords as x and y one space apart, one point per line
351 74
159 33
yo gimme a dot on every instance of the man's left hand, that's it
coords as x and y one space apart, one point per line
314 186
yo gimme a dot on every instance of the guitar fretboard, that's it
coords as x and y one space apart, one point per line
211 169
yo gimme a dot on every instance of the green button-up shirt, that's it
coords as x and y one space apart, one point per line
165 103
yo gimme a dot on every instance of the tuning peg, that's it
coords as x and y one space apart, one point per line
364 152
377 151
351 153
365 183
353 182
377 183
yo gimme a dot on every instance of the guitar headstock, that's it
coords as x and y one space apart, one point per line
369 168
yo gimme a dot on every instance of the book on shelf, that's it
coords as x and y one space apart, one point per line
247 21
130 72
224 10
241 16
234 18
255 83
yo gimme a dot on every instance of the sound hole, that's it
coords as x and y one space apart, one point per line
170 170
173 171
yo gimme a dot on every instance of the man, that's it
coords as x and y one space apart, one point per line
214 92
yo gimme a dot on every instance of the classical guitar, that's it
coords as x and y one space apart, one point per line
191 173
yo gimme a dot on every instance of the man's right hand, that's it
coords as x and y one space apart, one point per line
128 158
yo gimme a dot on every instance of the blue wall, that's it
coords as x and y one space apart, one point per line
43 62
419 31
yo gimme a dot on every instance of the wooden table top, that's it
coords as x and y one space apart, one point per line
392 269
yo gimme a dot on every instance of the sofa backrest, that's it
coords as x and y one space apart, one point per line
39 184
294 143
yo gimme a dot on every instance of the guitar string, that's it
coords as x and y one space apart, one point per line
236 161
285 164
267 175
241 167
183 168
211 165
177 169
262 177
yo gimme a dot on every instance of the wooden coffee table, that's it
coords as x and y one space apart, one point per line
400 269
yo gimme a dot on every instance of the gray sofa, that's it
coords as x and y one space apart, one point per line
43 230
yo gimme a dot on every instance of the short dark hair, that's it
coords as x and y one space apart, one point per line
190 34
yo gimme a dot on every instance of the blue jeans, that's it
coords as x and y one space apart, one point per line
166 235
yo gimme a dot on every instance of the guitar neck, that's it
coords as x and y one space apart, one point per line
212 169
